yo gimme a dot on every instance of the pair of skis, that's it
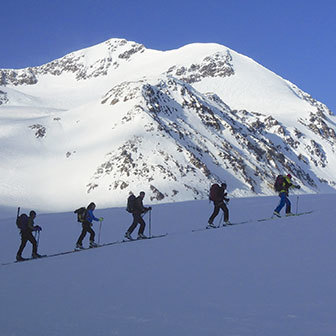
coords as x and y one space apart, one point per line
250 221
87 248
208 227
281 217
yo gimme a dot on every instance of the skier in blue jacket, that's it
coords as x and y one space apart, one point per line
87 226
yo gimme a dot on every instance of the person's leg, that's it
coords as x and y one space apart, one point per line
23 244
142 225
214 214
282 202
226 212
288 205
33 241
82 235
134 224
92 233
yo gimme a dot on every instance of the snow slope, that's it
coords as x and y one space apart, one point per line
261 278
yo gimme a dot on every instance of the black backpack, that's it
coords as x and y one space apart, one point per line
22 222
278 184
81 214
130 203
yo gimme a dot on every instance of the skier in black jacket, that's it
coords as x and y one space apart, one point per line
218 196
27 235
137 210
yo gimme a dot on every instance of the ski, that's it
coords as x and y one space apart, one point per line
86 249
281 217
151 237
220 226
28 259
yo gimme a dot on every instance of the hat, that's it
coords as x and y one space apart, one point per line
289 176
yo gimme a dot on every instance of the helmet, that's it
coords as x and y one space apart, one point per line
289 176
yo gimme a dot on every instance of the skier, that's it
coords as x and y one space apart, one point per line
218 196
87 226
27 235
285 182
137 208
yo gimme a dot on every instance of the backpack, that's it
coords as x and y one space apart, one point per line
215 192
22 222
130 203
278 184
81 214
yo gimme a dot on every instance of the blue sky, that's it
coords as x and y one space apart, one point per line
295 39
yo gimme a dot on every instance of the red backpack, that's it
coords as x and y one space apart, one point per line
214 192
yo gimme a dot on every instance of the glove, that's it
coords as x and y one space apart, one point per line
37 228
101 219
228 200
149 208
298 187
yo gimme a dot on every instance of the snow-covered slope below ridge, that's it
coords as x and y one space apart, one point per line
116 117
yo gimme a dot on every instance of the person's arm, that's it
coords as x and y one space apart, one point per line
92 216
33 227
142 207
294 186
30 224
226 199
291 185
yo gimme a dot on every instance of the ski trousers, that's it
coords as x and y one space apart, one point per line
217 206
27 236
283 201
87 228
137 219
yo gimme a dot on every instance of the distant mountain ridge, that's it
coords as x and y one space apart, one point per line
118 117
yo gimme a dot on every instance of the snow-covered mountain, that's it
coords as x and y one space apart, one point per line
117 117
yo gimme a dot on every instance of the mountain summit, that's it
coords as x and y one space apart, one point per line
117 117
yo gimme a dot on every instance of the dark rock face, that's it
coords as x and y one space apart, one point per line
217 65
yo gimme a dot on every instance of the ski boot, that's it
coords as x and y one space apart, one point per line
211 225
19 258
93 244
275 213
36 256
142 236
128 236
79 247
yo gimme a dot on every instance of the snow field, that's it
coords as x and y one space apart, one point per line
269 278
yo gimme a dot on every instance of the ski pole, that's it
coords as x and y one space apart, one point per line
297 204
38 238
221 220
17 215
150 222
100 226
